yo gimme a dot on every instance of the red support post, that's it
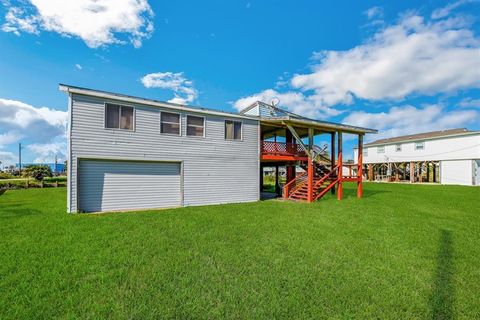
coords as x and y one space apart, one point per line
310 180
360 167
340 167
332 156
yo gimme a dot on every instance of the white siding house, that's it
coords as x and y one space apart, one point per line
455 153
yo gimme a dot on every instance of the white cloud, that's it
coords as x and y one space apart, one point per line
46 152
409 119
21 122
297 102
78 66
374 12
411 57
445 11
97 22
7 158
183 89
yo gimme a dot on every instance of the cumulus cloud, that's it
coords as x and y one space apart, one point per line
410 119
46 152
374 13
97 22
22 122
409 58
183 89
296 102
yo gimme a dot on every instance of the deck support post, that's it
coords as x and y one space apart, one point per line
332 156
434 167
428 171
277 185
360 167
340 167
370 172
310 166
412 172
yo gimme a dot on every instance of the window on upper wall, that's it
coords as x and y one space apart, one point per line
381 149
419 145
365 152
233 130
398 147
195 126
170 123
118 117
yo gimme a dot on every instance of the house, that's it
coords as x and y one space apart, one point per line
128 153
446 157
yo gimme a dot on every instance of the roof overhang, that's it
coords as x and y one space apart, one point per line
137 100
315 124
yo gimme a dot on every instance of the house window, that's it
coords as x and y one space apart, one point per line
419 145
233 130
398 147
118 117
195 126
170 123
365 152
381 149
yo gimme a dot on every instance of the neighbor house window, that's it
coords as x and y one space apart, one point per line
365 152
233 130
398 147
118 117
195 126
380 149
170 123
419 145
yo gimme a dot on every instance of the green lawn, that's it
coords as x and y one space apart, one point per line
402 252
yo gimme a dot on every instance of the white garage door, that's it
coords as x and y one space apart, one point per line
127 185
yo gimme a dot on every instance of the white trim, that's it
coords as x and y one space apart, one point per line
147 102
204 126
179 124
119 116
69 155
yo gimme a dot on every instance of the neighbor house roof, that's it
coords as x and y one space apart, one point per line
423 136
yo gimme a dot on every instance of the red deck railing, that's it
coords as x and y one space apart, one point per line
282 149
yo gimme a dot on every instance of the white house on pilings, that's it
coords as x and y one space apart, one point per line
446 157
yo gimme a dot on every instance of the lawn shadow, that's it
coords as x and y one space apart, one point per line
443 294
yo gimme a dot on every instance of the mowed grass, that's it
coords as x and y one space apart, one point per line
402 252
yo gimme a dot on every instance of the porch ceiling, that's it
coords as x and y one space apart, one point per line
303 124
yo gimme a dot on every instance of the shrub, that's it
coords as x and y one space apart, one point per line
4 175
38 172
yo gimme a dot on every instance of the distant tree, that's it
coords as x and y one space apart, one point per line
38 172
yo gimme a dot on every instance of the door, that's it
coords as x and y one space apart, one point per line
128 185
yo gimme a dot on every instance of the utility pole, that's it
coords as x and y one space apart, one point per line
55 168
20 158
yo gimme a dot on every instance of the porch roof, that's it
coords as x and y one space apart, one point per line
324 126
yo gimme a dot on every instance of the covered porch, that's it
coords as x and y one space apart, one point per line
311 170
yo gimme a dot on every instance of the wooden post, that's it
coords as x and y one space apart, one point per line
310 180
434 167
360 167
340 167
370 172
428 171
332 156
412 172
420 166
277 185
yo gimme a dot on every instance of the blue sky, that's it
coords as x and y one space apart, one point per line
402 67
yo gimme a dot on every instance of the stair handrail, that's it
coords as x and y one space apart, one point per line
286 187
325 177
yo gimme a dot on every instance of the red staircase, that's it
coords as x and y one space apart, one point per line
297 189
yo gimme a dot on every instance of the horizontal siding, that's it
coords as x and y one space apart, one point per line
215 170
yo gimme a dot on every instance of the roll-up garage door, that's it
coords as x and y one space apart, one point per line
128 185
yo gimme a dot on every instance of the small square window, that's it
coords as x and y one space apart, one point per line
398 147
195 126
419 145
170 123
118 117
381 149
233 130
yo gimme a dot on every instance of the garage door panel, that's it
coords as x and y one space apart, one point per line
127 185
